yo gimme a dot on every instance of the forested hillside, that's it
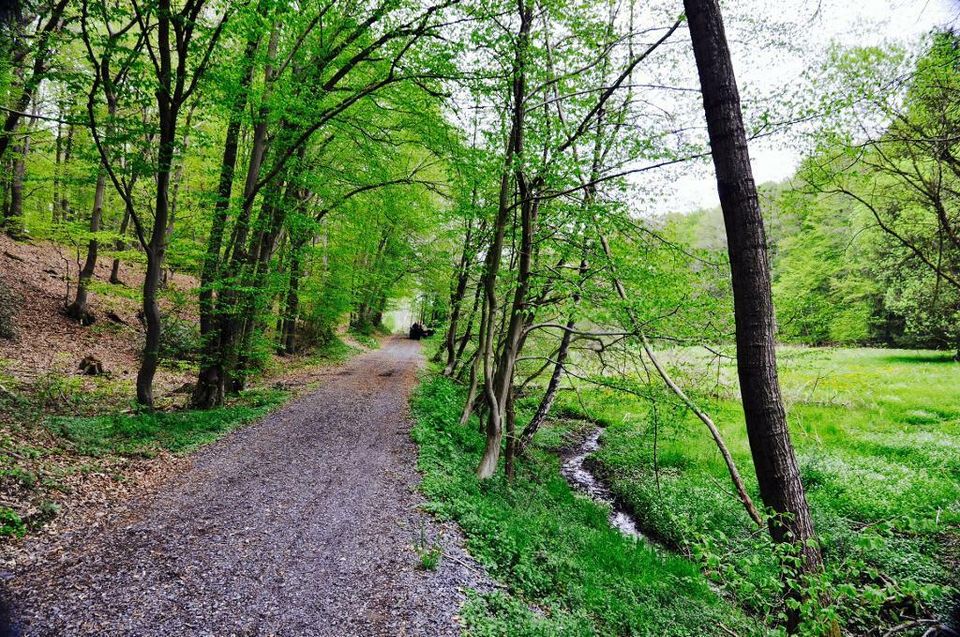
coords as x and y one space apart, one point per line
739 420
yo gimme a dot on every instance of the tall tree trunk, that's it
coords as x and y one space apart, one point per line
514 336
58 170
13 220
467 332
64 203
288 331
168 106
78 310
216 363
770 445
456 301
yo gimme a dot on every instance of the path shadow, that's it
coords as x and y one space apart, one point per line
8 627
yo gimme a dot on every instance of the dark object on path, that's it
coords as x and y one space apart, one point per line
10 255
418 331
91 366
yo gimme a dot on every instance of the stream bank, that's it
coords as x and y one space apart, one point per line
575 467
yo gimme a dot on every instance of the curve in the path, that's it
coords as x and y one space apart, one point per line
303 524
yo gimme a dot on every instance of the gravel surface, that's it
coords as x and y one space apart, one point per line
306 523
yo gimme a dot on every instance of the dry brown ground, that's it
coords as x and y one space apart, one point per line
39 273
39 473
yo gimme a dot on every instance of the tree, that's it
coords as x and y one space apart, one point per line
773 455
178 58
906 177
38 44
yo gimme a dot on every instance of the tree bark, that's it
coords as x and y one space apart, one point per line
457 293
288 332
13 220
495 397
120 246
209 390
79 310
770 444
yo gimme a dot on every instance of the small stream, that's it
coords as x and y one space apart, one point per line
575 470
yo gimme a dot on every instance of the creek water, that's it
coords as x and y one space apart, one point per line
577 472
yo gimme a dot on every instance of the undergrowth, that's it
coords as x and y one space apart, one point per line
565 571
148 432
876 433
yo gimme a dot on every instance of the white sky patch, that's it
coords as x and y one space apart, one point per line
765 66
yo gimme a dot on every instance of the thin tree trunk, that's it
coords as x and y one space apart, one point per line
770 445
120 246
78 310
495 397
456 301
64 202
168 111
58 170
467 332
13 220
511 421
288 342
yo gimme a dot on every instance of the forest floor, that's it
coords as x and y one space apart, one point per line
306 523
73 446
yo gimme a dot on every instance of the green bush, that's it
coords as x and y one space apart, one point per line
11 524
179 339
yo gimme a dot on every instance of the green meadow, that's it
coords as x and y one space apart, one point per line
877 434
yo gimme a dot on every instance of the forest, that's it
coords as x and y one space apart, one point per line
247 242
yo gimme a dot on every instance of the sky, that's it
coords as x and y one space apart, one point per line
763 69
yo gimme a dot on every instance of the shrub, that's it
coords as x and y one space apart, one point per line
179 339
11 524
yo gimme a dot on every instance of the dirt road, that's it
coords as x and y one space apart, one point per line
303 524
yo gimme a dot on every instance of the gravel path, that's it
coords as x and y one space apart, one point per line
303 524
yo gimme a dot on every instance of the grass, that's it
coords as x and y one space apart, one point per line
367 340
564 570
877 434
146 433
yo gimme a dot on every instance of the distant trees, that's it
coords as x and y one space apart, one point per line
865 236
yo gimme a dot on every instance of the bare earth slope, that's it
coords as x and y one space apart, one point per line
304 524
